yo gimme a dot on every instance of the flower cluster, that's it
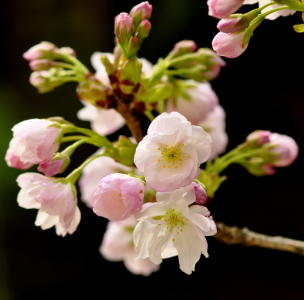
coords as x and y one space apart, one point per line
154 189
237 29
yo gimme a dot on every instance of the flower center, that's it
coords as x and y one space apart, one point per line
174 219
173 156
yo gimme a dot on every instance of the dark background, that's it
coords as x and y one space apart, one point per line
261 89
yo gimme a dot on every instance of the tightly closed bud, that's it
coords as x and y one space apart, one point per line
56 165
123 27
141 12
232 24
144 28
41 64
40 51
45 81
259 137
183 47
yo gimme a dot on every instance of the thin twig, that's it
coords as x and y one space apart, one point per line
234 235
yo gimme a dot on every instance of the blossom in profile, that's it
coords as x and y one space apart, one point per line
200 102
33 142
170 227
117 196
117 245
223 8
230 45
55 199
95 171
274 15
171 153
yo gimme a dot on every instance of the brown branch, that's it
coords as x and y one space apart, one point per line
234 235
132 120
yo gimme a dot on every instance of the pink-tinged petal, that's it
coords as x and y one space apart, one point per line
189 249
223 8
45 221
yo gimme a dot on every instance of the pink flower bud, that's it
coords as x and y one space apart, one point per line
34 141
259 137
117 196
141 11
41 64
66 50
144 28
183 47
55 165
230 25
42 50
200 193
123 24
223 8
42 80
285 148
230 45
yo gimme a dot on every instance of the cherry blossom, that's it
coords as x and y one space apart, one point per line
55 199
117 245
171 153
170 227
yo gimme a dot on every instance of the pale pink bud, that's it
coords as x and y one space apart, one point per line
183 47
42 50
42 80
286 149
141 11
259 137
55 165
14 161
229 44
123 22
40 64
66 50
144 28
55 199
34 141
223 8
117 196
230 25
200 193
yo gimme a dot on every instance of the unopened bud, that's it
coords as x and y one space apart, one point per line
183 47
41 64
232 24
40 51
45 81
200 193
259 137
144 28
54 166
123 27
141 12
